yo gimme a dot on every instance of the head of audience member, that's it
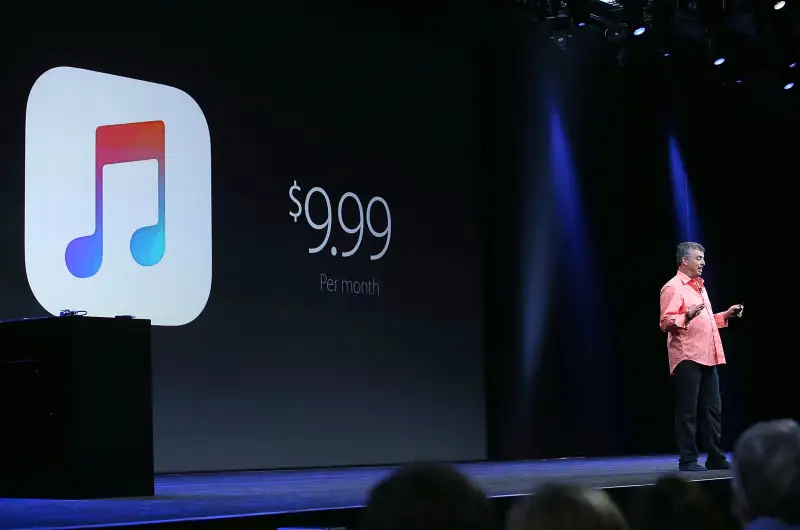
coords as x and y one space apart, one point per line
427 496
675 504
766 472
566 507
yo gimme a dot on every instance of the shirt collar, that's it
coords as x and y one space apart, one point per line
686 280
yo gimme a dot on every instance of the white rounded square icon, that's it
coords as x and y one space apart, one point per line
117 197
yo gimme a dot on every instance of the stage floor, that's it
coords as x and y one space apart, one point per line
202 496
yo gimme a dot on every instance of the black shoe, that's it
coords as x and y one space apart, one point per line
719 465
693 466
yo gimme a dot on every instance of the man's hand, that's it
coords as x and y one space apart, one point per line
695 310
735 311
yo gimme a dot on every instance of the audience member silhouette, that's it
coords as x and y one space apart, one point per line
766 476
427 497
675 504
765 486
565 507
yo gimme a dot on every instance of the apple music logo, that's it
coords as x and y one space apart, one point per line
117 197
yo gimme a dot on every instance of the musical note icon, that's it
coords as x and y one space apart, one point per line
116 144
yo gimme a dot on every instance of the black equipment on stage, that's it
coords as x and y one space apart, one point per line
76 415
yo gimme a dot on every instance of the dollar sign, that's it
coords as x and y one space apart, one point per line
296 214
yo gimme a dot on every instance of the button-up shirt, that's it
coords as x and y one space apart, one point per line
699 340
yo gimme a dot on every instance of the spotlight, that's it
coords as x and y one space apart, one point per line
561 39
615 35
666 54
719 61
738 81
779 5
638 31
561 28
792 65
788 86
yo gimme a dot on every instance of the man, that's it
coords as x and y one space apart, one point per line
766 476
695 351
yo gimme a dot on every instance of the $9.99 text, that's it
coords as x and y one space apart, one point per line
357 229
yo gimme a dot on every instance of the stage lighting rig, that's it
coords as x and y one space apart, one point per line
734 43
556 14
621 19
607 13
780 30
627 25
634 12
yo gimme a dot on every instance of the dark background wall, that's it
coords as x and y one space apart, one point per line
582 360
487 142
275 373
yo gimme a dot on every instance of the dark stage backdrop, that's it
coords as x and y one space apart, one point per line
584 363
298 358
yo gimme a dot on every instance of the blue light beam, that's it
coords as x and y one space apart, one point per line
685 216
537 269
568 203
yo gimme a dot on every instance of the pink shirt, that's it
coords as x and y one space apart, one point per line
699 341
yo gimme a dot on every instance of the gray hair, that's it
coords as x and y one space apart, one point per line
685 250
766 481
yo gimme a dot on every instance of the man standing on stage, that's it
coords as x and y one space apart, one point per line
695 351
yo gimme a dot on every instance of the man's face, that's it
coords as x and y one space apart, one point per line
695 263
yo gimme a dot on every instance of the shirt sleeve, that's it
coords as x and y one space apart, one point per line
721 321
673 313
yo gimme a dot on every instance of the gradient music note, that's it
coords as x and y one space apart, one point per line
116 144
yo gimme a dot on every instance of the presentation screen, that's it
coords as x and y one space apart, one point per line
294 209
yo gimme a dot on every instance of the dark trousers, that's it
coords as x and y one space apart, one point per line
697 394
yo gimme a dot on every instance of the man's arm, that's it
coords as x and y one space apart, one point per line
721 319
673 314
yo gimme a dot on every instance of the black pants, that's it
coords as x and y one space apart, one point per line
697 394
